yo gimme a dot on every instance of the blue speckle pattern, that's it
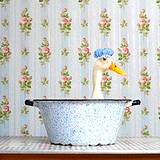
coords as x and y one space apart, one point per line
81 122
103 52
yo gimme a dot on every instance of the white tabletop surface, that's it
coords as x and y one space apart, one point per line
41 145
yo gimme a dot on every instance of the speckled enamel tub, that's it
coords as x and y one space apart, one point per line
82 122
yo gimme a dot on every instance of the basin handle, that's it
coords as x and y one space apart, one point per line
136 102
28 102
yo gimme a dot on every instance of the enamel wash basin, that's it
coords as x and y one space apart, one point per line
82 122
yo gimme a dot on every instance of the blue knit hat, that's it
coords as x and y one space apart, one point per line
103 52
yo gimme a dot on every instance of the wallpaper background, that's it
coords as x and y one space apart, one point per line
46 51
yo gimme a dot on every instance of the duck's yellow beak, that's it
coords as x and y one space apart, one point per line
117 69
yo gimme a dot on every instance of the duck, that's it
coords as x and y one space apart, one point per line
104 63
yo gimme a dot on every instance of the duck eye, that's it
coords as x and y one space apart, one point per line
104 58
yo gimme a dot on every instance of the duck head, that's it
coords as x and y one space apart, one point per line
105 62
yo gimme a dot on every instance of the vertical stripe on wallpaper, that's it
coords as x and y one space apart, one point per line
4 73
73 46
145 78
153 43
33 60
36 66
44 54
83 50
156 56
115 40
17 109
46 51
93 37
133 69
11 76
123 56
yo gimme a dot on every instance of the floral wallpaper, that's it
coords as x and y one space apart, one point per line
46 51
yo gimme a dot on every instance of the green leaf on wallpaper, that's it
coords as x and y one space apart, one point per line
64 52
159 113
65 82
106 83
25 81
25 22
84 23
84 81
40 117
83 3
105 23
122 3
25 110
145 81
24 52
4 3
4 81
145 132
5 23
144 52
5 110
144 111
65 24
144 23
123 52
4 51
24 130
127 115
84 52
44 3
124 82
158 54
158 3
44 23
44 52
124 23
44 81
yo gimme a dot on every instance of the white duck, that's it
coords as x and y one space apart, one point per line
102 64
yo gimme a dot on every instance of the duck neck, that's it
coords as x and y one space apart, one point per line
97 77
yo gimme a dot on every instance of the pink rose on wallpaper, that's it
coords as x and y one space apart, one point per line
5 49
105 78
65 24
65 82
127 109
65 78
146 79
25 78
66 21
24 20
25 126
6 109
103 22
86 50
45 50
126 50
142 21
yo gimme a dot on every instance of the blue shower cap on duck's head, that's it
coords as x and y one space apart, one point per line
103 52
